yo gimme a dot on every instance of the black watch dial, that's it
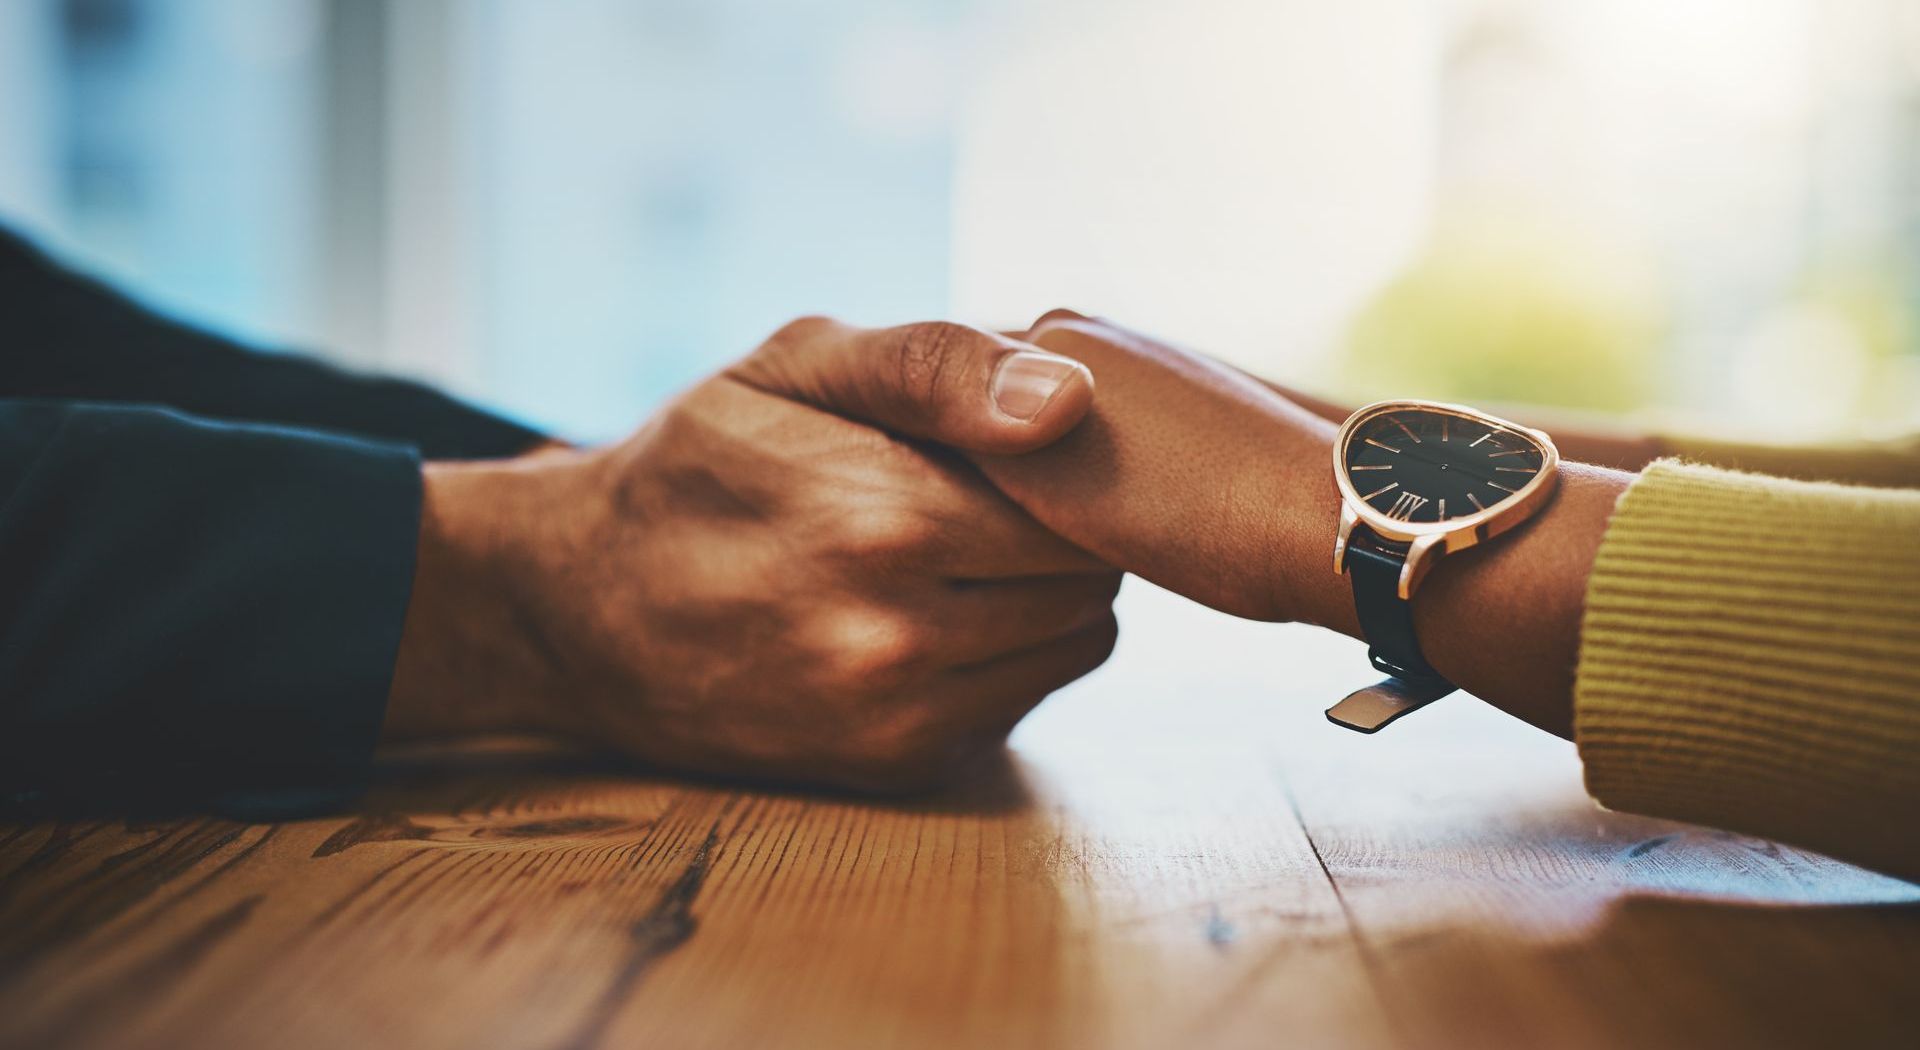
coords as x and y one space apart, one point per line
1423 465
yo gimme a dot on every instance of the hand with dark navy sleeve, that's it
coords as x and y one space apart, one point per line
225 576
205 552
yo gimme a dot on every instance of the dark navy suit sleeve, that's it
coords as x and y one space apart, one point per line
63 336
194 612
205 554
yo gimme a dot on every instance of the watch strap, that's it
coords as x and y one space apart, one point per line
1393 645
1386 619
1370 710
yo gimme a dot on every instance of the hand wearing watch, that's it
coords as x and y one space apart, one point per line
1418 480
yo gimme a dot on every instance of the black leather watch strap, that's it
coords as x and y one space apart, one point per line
1386 619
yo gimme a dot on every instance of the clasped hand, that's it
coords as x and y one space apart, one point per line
858 557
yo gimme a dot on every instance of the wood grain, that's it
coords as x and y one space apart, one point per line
1179 851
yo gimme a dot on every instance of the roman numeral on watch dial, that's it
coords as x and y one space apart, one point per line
1404 505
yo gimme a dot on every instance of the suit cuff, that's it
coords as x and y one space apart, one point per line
215 609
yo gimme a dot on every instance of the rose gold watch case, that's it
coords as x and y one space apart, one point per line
1427 540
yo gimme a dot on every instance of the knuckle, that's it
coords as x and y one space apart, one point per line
800 331
1102 637
1095 596
885 533
876 653
925 356
1076 337
1086 651
777 362
1055 316
685 422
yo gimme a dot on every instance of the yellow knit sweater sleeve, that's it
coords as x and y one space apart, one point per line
1750 659
1893 463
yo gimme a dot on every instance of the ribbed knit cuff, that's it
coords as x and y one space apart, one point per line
1750 659
1883 464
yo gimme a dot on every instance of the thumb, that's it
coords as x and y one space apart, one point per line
960 386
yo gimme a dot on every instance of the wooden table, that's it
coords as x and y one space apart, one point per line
1177 852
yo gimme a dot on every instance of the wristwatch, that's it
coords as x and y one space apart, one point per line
1418 480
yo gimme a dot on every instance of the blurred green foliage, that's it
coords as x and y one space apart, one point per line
1486 317
1868 294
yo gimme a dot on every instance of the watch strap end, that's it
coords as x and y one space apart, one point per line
1373 708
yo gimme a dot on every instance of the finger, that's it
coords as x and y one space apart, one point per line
1058 313
997 694
981 621
964 711
980 534
913 509
1186 472
948 383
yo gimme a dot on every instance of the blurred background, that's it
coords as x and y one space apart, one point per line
1707 212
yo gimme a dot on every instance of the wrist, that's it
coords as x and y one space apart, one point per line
469 662
1302 580
1325 597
